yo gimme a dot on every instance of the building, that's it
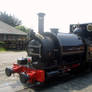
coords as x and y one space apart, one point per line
12 37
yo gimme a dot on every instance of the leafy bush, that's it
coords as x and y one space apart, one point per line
23 28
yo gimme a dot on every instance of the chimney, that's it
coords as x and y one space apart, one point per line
54 30
41 22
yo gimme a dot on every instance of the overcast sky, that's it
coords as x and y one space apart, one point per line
59 13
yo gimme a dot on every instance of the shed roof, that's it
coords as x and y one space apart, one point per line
7 29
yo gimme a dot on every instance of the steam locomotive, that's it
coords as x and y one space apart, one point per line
53 53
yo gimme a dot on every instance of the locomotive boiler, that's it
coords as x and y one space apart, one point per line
53 53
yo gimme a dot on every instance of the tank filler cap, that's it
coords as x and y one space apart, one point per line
54 30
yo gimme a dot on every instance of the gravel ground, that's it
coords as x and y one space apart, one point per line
6 60
81 83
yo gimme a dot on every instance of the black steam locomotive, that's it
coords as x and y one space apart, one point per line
52 53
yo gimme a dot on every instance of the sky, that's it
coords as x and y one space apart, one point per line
59 13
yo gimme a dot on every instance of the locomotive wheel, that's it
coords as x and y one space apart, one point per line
90 66
27 84
23 78
79 69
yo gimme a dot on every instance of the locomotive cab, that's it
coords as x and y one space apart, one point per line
84 31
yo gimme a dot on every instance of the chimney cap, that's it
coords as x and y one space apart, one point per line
41 14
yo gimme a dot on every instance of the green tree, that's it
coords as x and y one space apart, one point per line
23 28
9 19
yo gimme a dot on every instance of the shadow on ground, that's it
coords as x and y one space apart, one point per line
74 83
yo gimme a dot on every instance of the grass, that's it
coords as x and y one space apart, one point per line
1 46
2 49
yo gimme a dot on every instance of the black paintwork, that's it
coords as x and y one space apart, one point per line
84 33
54 49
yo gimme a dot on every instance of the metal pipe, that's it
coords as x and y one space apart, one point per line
41 22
